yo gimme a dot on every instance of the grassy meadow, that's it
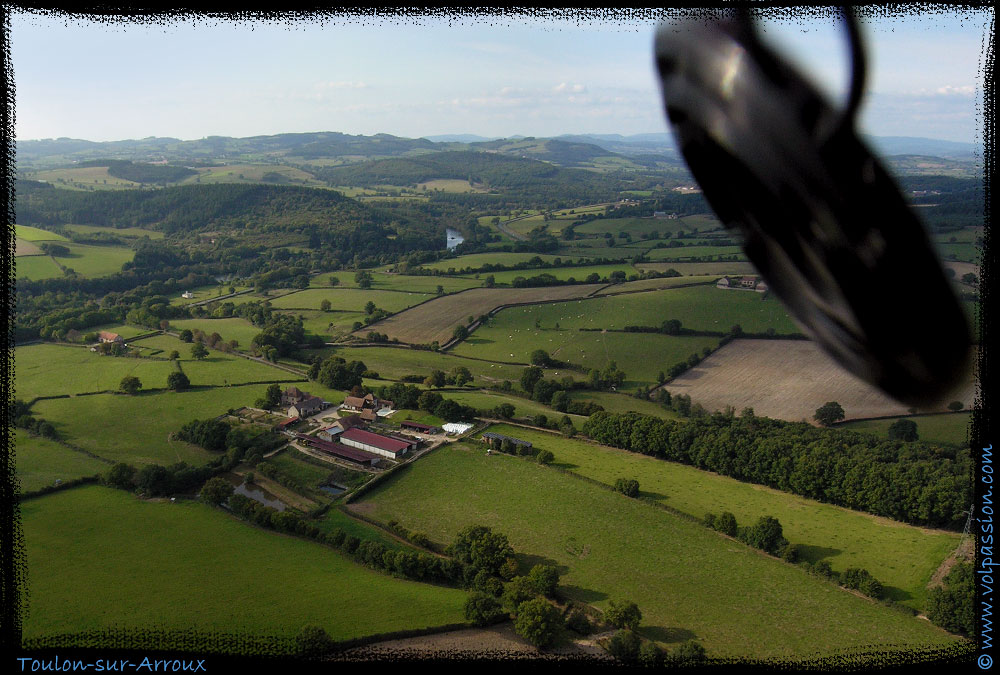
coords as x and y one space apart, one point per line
687 580
951 428
36 234
36 268
703 308
902 557
640 355
347 299
40 462
246 580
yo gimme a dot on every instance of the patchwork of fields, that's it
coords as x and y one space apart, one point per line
436 320
902 557
687 580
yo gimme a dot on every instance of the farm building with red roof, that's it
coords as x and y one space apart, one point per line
376 443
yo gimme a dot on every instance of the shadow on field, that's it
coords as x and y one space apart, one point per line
661 634
583 594
815 553
478 341
656 496
896 594
528 561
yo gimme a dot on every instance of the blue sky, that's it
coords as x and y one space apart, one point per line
421 76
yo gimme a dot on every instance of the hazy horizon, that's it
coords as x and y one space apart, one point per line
418 76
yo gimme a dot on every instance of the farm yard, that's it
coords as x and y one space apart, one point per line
784 379
674 566
902 557
297 582
434 321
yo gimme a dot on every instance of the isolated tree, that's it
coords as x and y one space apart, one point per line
828 413
363 279
370 307
174 355
623 615
766 535
130 384
198 351
325 306
903 430
460 332
627 486
955 406
687 652
178 381
216 491
186 335
538 622
540 357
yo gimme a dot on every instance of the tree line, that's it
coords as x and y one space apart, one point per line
916 483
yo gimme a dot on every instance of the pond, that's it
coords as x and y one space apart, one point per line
255 492
454 238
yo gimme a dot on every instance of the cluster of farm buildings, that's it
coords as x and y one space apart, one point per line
742 283
349 438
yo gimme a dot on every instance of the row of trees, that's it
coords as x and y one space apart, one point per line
913 482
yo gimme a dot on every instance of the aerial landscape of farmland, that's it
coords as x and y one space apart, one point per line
326 398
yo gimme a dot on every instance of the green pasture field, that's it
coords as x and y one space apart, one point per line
717 269
393 363
523 407
310 475
687 580
477 260
96 261
165 344
335 518
36 268
218 369
952 428
384 281
656 284
96 177
187 550
233 328
327 325
687 252
698 308
565 273
640 355
960 251
135 429
202 293
350 299
136 232
252 173
36 234
50 370
41 462
902 557
622 403
634 226
448 185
